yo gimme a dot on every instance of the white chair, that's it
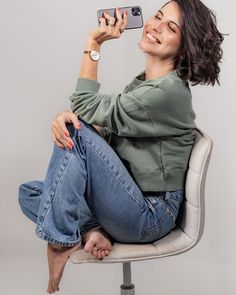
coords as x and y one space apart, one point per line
190 222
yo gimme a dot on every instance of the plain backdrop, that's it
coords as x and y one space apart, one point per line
41 45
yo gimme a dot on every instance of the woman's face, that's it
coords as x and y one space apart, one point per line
162 33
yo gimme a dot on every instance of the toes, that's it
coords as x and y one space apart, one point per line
103 254
52 286
94 252
100 254
97 245
89 246
49 290
55 285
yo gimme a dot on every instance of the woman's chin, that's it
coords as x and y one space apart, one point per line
144 47
147 47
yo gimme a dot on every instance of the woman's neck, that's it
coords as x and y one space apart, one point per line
157 68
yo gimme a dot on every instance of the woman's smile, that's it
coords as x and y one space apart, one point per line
152 38
163 31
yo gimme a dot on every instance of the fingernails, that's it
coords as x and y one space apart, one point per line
78 125
126 13
69 147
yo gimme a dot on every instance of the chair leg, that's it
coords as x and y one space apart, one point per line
127 288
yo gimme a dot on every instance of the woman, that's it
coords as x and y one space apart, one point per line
131 189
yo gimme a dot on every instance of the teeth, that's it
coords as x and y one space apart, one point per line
153 39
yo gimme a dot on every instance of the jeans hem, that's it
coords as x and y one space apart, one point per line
40 234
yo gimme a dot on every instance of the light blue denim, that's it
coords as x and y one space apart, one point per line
90 186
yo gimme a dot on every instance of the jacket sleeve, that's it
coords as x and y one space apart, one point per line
122 114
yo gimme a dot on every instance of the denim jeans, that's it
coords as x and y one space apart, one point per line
90 186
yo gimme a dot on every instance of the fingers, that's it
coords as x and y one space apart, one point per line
56 141
119 18
103 24
111 27
61 138
75 120
100 38
60 134
125 22
110 21
122 20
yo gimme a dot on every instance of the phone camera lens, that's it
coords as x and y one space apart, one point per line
136 11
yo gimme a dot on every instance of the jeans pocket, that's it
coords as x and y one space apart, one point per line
161 229
174 200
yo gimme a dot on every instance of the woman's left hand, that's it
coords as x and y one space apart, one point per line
111 30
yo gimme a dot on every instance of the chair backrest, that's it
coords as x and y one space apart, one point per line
192 215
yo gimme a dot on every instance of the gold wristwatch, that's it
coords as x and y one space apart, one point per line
94 54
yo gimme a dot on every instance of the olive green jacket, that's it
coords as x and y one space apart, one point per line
151 126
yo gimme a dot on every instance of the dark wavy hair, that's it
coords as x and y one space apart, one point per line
201 52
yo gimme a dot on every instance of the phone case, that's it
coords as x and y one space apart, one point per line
135 16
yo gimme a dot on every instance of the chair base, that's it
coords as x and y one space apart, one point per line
127 288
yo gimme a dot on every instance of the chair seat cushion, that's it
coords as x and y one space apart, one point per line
173 243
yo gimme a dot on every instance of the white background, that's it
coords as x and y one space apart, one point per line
40 53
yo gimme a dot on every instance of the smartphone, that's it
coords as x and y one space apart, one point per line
135 16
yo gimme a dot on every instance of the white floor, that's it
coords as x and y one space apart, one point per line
26 274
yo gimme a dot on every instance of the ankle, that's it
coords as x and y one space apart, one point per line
85 235
56 247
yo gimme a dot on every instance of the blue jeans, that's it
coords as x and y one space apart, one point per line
90 186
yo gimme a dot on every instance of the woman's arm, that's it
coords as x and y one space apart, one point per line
95 39
88 70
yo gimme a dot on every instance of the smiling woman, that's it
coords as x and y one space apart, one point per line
164 30
188 41
99 189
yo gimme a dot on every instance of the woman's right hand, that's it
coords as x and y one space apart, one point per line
60 134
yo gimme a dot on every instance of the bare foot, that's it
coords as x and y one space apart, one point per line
57 258
97 242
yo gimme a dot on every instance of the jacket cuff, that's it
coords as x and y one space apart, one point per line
87 84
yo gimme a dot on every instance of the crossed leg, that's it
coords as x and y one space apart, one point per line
73 176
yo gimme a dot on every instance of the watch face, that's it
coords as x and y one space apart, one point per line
95 55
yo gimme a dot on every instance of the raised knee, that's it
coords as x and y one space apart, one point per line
22 194
27 190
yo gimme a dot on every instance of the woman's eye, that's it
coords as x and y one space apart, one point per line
172 29
156 16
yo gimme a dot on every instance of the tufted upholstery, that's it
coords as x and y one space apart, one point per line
190 222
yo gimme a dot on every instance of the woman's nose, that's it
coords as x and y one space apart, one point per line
157 27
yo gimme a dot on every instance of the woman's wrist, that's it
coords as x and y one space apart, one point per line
88 68
92 45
